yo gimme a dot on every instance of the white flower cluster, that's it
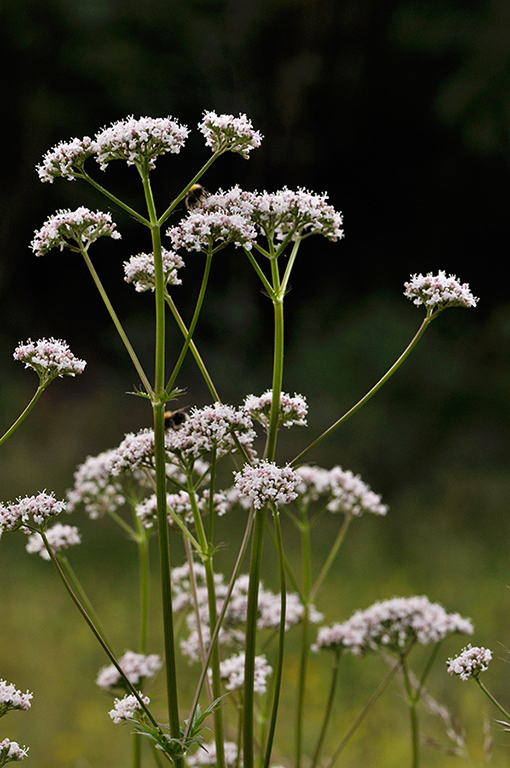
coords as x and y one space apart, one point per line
218 427
439 291
296 213
73 229
292 410
265 482
136 667
11 698
49 358
232 672
59 537
231 634
470 662
139 141
10 751
202 230
66 159
180 504
227 133
140 270
29 510
392 625
95 487
343 491
127 708
206 755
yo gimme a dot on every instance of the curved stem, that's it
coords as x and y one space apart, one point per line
141 219
328 709
21 418
118 325
421 330
493 699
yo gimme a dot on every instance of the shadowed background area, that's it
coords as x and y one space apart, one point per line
400 111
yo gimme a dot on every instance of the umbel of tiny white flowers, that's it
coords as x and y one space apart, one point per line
11 698
437 292
470 662
49 358
30 511
136 667
10 752
73 229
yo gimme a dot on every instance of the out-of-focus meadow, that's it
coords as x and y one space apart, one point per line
397 109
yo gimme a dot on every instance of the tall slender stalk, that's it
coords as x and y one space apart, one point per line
21 418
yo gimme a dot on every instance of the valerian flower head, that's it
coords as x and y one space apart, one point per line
66 159
140 270
30 510
437 292
228 133
73 229
49 358
95 487
11 752
204 229
11 698
127 709
340 489
232 672
59 537
470 663
297 214
393 625
292 410
139 141
220 428
266 482
136 667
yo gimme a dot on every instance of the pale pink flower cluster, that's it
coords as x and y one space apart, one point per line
297 213
218 427
11 698
228 133
470 662
439 291
134 451
206 755
139 141
203 229
49 358
59 537
10 751
140 270
343 491
95 487
66 159
127 708
29 510
232 672
266 482
73 229
136 667
180 504
393 625
292 410
231 634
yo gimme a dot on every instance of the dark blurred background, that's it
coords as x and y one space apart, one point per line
400 110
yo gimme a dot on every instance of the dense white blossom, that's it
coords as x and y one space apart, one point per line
29 510
59 537
49 358
228 133
292 410
11 751
266 482
437 292
139 141
12 698
206 755
140 270
339 489
66 159
470 662
127 708
73 229
136 667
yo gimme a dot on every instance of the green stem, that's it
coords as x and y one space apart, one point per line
328 710
194 321
193 347
305 626
186 189
81 594
413 715
331 557
355 408
251 633
160 466
270 448
134 214
278 672
364 712
144 580
21 418
494 700
118 325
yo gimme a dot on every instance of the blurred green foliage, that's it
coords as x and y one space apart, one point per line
400 110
